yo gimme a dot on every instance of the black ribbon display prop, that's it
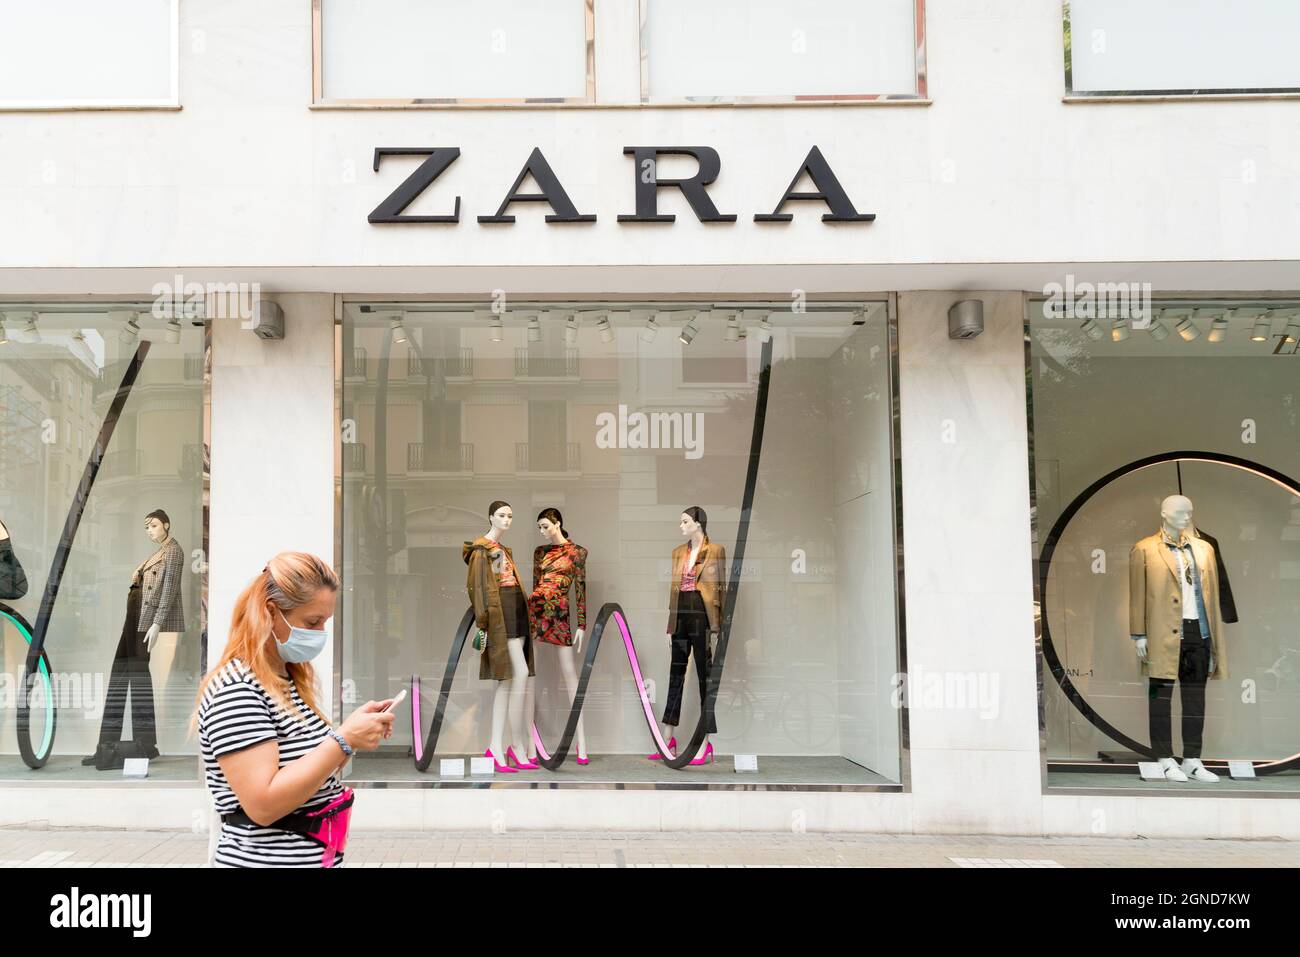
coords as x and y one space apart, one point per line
36 659
34 757
423 747
1045 567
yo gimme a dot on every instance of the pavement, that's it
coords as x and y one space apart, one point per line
62 847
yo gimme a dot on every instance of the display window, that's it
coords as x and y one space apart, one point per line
621 543
1164 456
103 526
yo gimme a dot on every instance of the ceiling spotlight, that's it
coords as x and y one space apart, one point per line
1093 330
1219 327
1159 331
1119 330
764 327
129 322
497 326
399 329
733 329
173 331
689 332
651 328
1293 327
606 333
571 329
1187 328
534 329
1263 328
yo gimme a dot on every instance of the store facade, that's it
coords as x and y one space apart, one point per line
636 298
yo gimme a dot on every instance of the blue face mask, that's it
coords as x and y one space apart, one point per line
302 645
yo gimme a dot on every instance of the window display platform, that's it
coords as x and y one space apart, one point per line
632 771
68 768
1283 784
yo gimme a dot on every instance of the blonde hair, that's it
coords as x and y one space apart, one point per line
289 580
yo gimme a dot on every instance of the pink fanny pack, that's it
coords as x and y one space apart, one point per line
329 826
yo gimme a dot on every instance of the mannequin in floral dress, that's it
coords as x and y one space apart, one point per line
557 565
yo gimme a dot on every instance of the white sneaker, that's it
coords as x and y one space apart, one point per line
1194 769
1172 773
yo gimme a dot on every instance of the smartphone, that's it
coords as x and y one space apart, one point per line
401 696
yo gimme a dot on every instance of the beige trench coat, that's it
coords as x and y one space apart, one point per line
1155 603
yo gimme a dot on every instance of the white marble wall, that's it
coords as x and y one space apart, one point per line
273 436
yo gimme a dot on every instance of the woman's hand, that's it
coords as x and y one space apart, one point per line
368 725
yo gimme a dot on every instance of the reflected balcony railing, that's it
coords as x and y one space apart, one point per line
533 366
354 457
123 463
354 366
423 457
547 457
193 368
447 367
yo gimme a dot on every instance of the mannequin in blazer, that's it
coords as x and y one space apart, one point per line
1177 631
155 618
696 595
505 627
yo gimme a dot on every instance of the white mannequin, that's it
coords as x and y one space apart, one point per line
507 701
160 644
554 535
1176 518
693 531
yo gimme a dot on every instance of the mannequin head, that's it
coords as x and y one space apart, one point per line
551 524
694 520
157 526
1176 514
500 515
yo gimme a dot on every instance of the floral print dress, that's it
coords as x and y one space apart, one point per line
555 568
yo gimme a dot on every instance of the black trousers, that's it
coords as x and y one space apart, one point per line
130 674
1193 672
691 638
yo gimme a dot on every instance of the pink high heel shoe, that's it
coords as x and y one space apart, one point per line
581 760
519 765
706 757
672 746
498 767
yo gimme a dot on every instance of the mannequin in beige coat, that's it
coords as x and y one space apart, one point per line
1177 632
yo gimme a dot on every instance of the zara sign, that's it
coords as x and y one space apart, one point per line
826 189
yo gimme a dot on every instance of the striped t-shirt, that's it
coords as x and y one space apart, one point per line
236 712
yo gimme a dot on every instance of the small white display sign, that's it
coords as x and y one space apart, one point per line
135 768
1151 771
746 763
452 767
1241 769
481 765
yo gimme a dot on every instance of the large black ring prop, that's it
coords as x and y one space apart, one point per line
423 747
34 757
1045 566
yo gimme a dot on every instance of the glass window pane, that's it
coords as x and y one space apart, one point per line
87 52
1118 46
454 49
775 48
116 548
594 411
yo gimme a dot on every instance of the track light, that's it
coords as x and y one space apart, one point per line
497 326
651 328
1094 332
1293 327
733 329
173 331
1119 330
1187 328
1263 328
1219 327
689 332
534 329
1159 331
571 329
399 329
128 323
606 333
764 327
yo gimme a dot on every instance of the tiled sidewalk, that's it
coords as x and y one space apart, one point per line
76 848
